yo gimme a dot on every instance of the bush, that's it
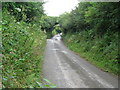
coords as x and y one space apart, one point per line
23 46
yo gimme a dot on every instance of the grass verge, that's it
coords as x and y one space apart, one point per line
100 51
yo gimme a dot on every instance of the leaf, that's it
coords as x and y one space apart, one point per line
30 78
47 80
53 86
40 84
31 86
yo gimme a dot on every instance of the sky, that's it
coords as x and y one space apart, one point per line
58 7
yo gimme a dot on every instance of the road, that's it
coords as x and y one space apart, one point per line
67 70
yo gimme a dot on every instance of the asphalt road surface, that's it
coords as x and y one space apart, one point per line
67 70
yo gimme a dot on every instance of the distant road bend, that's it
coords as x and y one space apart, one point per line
67 70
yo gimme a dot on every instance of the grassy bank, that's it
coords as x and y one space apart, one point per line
100 51
23 47
94 33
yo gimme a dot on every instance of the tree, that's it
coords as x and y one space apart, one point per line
26 11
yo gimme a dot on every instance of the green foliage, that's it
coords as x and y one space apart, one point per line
47 24
23 46
92 31
26 11
56 29
102 52
98 16
23 43
66 21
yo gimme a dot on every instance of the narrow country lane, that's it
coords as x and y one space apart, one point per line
67 70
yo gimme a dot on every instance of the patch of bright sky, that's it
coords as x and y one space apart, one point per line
58 7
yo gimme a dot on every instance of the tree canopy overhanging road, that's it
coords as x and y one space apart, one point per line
90 30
